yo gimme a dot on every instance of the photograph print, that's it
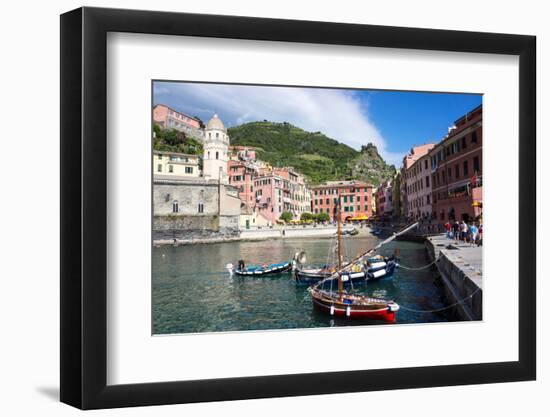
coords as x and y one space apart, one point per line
288 207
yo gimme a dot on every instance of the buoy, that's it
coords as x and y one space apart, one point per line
332 310
348 311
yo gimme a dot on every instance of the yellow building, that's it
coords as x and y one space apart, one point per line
175 165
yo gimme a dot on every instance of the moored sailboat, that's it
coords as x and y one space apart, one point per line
354 306
373 268
344 304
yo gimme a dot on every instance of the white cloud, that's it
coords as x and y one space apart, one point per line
339 114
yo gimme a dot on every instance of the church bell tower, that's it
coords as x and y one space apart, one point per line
216 151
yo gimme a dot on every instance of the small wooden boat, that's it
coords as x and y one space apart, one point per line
352 232
377 267
380 267
344 304
354 306
259 270
311 274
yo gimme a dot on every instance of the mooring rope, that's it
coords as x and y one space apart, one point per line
440 309
307 297
410 268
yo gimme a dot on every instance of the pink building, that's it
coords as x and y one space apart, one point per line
418 186
384 199
411 181
241 175
269 190
242 153
278 190
168 118
416 152
355 198
296 194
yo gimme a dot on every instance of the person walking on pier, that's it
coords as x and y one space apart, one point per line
456 230
463 231
480 234
473 234
448 229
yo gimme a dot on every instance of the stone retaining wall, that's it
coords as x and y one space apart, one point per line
459 287
287 232
194 227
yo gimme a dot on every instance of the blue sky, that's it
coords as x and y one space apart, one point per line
394 121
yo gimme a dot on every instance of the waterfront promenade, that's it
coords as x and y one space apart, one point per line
265 233
461 269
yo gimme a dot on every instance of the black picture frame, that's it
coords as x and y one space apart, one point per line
84 207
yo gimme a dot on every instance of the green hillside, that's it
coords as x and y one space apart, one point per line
315 155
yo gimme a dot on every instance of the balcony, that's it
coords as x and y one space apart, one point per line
471 189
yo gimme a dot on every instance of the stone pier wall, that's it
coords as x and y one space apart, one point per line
461 282
461 288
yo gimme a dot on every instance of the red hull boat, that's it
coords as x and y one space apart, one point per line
344 304
355 306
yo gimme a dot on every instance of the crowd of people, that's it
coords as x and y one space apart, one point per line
471 233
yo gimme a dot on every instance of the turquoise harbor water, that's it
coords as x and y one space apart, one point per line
193 292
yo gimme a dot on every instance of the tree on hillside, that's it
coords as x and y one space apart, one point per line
157 129
172 140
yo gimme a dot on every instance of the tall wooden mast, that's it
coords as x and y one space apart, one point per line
339 234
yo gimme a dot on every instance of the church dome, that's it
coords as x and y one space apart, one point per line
215 124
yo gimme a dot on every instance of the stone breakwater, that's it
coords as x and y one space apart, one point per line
461 270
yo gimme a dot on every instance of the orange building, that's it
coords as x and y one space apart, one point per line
355 198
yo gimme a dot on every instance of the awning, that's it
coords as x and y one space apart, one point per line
359 218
